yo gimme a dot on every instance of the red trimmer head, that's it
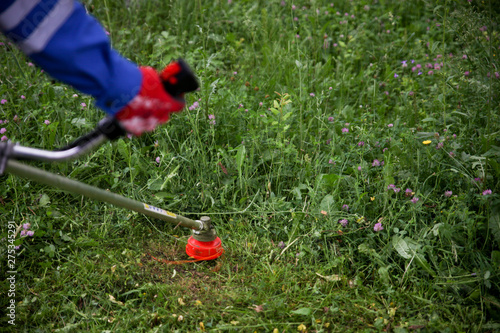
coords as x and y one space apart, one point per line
204 250
204 245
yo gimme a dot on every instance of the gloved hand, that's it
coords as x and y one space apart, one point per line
159 95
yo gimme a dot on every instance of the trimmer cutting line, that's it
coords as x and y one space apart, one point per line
203 243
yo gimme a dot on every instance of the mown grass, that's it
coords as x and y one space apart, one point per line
314 119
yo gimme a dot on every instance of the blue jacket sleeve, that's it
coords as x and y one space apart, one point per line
71 46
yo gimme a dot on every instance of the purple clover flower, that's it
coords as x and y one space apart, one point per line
344 222
394 188
212 119
378 227
195 105
487 192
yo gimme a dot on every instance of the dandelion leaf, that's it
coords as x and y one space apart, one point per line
327 202
401 247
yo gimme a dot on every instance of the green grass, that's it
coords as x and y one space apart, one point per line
276 178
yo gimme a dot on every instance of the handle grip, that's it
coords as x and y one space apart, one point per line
109 127
178 78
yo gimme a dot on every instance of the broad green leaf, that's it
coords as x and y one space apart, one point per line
383 272
327 202
303 311
286 116
155 185
331 179
44 200
79 122
401 247
429 119
435 229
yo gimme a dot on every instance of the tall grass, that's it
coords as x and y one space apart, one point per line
344 151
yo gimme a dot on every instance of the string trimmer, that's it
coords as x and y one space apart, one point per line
203 243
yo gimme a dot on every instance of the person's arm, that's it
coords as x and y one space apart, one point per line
71 46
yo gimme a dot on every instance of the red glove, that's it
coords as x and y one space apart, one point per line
153 105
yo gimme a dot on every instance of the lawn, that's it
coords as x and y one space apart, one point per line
347 152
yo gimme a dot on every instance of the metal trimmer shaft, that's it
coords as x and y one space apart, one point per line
63 183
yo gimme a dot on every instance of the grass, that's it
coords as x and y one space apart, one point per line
321 117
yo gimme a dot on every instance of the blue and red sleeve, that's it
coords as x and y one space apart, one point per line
71 46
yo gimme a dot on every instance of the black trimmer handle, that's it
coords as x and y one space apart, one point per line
109 127
178 78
